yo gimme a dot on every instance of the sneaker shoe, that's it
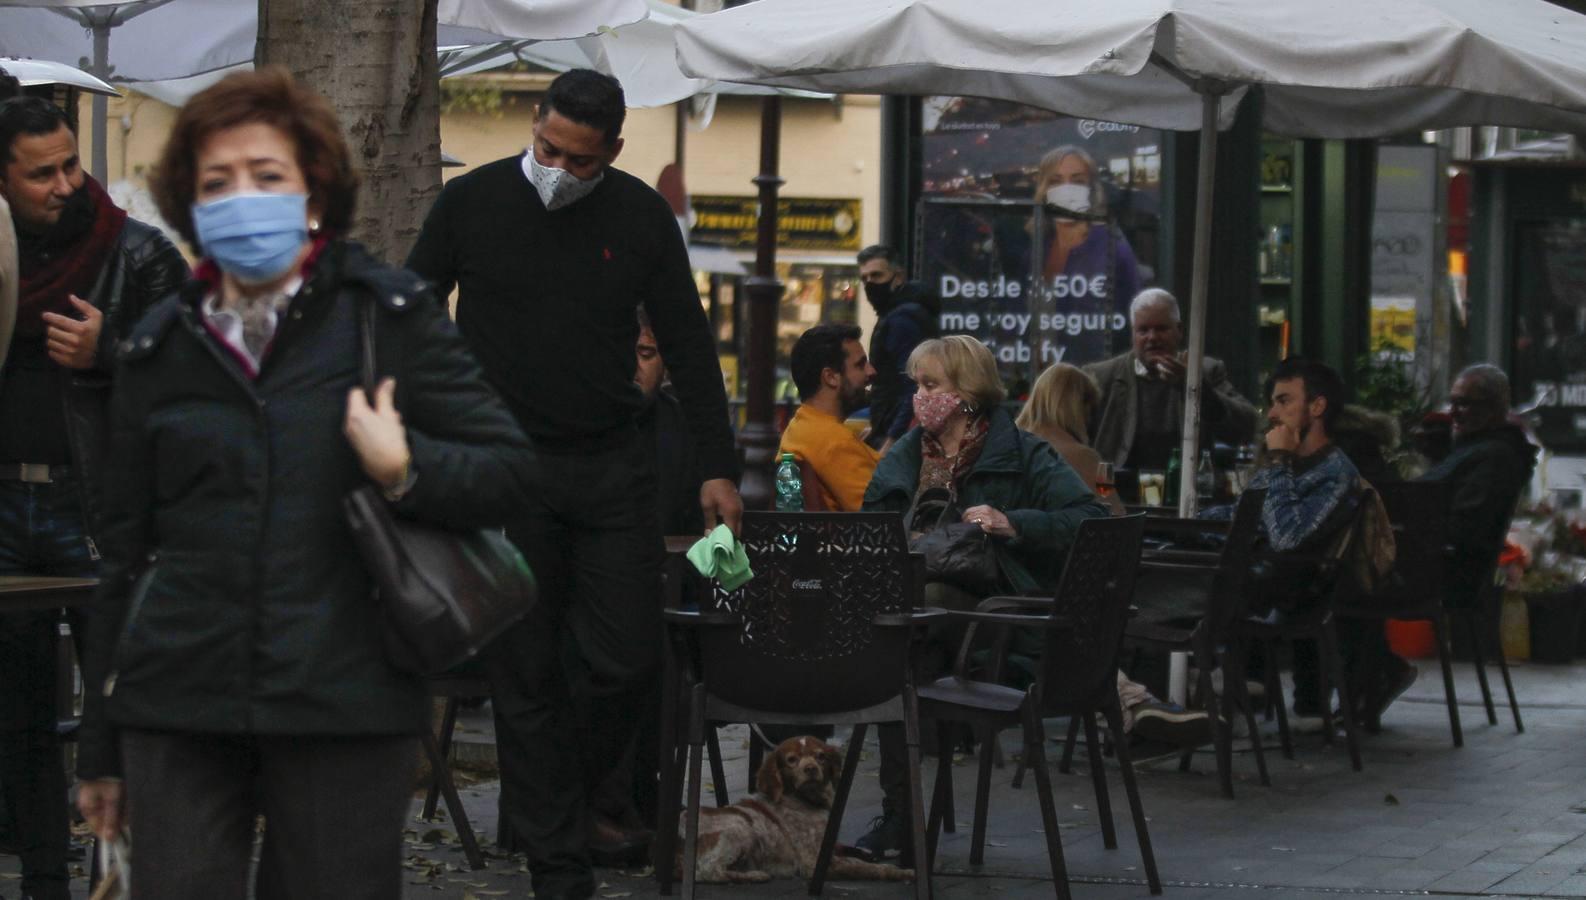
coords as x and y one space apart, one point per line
1169 723
887 838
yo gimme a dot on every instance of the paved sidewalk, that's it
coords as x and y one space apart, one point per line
1505 816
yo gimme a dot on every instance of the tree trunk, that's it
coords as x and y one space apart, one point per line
375 61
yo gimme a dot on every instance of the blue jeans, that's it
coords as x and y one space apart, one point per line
41 533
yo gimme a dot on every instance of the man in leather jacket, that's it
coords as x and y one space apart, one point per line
87 272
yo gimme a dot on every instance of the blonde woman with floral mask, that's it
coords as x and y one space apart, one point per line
1006 481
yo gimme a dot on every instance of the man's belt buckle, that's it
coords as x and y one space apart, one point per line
34 473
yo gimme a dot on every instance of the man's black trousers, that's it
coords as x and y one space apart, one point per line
594 543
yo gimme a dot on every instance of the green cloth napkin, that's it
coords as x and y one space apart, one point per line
719 555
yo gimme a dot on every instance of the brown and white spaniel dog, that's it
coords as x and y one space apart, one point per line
776 832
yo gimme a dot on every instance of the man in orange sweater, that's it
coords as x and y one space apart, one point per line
833 376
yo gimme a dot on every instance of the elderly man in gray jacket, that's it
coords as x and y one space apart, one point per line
1139 420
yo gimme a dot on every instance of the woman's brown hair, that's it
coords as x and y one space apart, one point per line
270 96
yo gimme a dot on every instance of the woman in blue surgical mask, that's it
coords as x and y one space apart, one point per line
234 655
1087 263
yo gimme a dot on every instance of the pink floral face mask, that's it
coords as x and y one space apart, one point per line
933 410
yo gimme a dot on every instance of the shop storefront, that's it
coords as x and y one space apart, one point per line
817 240
1528 298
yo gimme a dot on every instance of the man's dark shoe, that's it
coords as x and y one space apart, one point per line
614 846
887 838
1400 676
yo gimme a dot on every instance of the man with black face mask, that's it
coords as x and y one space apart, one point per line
907 314
86 273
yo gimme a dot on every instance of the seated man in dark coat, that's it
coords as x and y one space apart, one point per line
1488 468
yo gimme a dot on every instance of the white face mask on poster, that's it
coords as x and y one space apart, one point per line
557 187
1072 197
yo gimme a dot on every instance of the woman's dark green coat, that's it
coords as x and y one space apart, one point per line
1017 473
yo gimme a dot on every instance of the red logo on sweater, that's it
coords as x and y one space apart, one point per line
606 252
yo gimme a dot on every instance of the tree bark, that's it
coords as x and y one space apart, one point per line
375 61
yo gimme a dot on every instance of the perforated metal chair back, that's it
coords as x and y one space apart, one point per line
809 640
1231 585
1094 596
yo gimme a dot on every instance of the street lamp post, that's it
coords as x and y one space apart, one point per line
759 436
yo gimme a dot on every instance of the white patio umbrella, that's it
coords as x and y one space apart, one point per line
641 55
1328 68
164 40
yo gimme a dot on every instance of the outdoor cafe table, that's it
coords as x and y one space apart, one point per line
1175 529
21 593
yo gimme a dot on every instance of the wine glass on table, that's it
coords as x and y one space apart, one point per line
1104 483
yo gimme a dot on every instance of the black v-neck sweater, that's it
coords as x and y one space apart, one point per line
547 301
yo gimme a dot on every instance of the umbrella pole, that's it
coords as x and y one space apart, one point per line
1200 275
100 160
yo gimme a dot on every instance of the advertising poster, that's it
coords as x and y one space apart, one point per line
1549 370
1037 230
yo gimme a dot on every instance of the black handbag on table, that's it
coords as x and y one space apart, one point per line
956 552
444 594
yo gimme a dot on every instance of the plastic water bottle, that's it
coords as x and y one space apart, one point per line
789 487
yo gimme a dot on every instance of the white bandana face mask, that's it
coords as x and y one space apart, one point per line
1072 197
557 187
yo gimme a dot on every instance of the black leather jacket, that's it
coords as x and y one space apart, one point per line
143 267
232 599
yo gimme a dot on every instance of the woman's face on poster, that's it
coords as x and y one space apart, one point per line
1070 169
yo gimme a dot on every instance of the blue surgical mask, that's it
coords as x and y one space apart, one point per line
253 237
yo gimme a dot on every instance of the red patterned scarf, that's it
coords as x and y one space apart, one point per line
937 469
73 268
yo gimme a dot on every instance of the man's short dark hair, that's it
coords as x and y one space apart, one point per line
1321 380
589 98
881 251
27 116
817 350
9 85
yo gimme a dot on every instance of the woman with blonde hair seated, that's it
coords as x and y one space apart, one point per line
1061 403
1006 481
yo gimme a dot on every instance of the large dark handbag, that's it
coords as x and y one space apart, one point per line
444 594
956 552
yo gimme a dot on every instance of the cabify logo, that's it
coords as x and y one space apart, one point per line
1089 127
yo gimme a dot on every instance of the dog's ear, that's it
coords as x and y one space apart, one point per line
834 762
768 781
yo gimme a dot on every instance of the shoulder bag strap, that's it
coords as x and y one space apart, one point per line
366 345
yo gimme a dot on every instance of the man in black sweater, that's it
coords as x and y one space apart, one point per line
550 252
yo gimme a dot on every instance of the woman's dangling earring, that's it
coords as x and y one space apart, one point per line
313 227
